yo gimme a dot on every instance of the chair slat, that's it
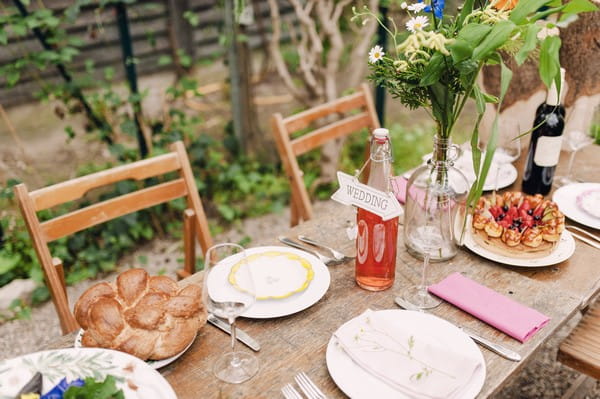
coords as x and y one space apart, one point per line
113 208
71 190
581 349
337 129
305 118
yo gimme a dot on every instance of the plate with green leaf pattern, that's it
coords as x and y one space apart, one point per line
133 376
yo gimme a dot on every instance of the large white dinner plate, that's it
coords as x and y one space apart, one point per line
566 199
563 251
134 377
506 175
155 364
357 383
277 307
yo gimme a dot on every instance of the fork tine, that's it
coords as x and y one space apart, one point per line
310 394
290 392
312 385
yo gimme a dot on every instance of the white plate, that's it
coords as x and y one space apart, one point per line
155 364
76 363
563 251
506 176
566 199
356 382
268 308
276 274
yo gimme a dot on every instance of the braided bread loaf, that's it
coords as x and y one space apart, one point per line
148 317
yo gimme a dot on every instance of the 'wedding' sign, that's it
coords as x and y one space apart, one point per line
353 192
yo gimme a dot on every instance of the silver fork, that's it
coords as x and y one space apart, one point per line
337 255
289 392
309 388
325 259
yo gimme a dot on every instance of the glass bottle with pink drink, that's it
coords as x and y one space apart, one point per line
376 242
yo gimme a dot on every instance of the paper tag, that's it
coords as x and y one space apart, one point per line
353 192
547 151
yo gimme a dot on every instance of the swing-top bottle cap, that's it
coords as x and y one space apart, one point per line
381 133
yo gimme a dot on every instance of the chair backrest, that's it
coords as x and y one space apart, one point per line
352 113
195 223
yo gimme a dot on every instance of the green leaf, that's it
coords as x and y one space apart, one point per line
524 8
496 38
467 8
432 71
479 99
474 33
529 43
577 6
19 29
8 262
165 60
549 65
12 77
3 37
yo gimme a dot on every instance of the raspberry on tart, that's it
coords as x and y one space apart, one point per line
517 224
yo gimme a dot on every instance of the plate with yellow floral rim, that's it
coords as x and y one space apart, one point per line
277 274
134 377
287 280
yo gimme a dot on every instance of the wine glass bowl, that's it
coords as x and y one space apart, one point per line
228 292
575 141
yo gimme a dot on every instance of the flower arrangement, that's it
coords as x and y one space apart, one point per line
435 61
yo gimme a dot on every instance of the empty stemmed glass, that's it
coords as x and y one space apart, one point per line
506 154
228 292
429 240
575 140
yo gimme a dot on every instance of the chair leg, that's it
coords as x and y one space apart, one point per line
58 265
189 244
294 212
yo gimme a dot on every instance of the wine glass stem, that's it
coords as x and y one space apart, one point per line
570 165
424 272
235 361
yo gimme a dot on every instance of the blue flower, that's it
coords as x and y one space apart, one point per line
438 7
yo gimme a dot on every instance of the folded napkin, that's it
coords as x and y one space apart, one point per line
417 365
507 315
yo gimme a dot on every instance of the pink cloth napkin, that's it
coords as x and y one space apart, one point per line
399 189
507 315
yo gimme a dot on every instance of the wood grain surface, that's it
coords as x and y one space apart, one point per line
298 342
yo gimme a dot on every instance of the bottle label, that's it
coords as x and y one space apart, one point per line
547 151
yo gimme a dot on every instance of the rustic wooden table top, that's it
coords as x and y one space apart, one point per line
298 342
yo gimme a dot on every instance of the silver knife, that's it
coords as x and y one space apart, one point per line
494 347
240 334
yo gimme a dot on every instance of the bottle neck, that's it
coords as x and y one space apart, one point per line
440 148
381 164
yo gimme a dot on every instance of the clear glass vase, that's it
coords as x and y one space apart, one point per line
435 208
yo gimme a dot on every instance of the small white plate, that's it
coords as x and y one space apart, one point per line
276 274
76 363
507 174
566 199
277 307
155 364
356 382
563 251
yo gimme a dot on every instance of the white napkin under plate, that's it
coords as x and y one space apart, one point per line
420 366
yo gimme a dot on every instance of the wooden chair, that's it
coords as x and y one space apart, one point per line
195 223
580 350
289 149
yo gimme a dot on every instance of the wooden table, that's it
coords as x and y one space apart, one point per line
298 342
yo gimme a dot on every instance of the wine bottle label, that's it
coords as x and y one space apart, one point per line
547 151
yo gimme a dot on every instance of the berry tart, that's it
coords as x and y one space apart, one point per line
517 225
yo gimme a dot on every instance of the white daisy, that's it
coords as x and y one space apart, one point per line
417 23
376 54
403 5
417 7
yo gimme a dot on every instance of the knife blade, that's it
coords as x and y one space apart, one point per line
494 347
240 334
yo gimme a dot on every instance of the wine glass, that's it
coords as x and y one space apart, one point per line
506 154
429 239
228 292
575 140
